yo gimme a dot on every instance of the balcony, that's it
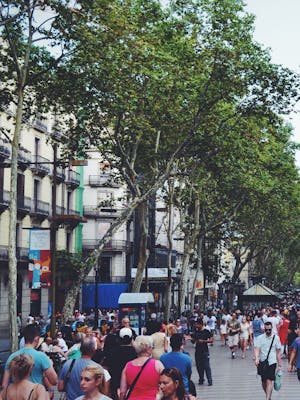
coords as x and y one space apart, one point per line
105 179
39 210
4 151
70 218
21 253
23 206
111 246
103 212
40 166
24 159
40 125
4 200
72 179
60 175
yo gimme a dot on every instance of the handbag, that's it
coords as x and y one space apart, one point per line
131 387
277 382
263 365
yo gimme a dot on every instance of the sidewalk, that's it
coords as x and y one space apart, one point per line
237 379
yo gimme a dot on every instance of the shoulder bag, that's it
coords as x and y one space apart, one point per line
131 387
263 365
66 380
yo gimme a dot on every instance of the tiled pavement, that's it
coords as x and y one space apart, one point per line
236 379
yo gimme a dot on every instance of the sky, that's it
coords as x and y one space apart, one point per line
277 27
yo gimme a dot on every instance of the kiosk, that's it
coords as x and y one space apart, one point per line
134 306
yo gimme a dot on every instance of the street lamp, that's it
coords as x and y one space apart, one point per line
97 276
178 280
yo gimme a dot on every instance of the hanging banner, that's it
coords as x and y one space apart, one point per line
39 258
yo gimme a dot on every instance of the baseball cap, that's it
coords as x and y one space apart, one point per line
125 332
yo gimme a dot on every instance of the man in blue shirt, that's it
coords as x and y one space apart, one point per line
178 359
295 352
42 364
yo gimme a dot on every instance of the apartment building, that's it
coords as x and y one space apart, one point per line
39 144
104 201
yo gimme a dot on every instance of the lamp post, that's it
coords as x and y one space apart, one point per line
178 280
97 276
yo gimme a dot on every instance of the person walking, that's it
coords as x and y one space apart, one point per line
73 368
244 335
268 347
141 375
202 338
234 328
42 366
91 383
176 358
295 352
20 368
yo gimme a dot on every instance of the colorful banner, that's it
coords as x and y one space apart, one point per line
39 258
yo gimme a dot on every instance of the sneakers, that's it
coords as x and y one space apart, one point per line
233 355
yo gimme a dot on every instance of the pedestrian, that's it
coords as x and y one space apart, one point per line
283 331
202 338
141 375
121 354
73 368
42 365
176 358
171 386
160 343
91 383
295 352
244 335
20 368
223 332
268 347
234 328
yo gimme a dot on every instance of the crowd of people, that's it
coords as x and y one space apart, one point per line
109 361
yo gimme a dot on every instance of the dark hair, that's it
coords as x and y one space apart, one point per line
30 332
176 341
269 323
175 375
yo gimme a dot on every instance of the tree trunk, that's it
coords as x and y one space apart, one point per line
12 259
199 266
170 247
189 245
143 251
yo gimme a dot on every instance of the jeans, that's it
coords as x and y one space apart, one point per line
202 364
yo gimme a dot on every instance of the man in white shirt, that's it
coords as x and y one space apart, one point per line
265 342
275 321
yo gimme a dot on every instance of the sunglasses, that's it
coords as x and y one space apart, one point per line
268 330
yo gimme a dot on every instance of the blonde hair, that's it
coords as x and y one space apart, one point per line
20 366
97 373
142 344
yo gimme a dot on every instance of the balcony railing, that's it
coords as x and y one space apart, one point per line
23 205
60 174
40 165
21 253
40 125
4 200
4 151
72 178
40 209
103 212
105 179
24 159
112 245
66 211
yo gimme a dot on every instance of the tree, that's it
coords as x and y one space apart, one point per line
26 71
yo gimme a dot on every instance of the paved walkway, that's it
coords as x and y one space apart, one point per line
237 380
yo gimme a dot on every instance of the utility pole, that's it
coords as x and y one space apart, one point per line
53 229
